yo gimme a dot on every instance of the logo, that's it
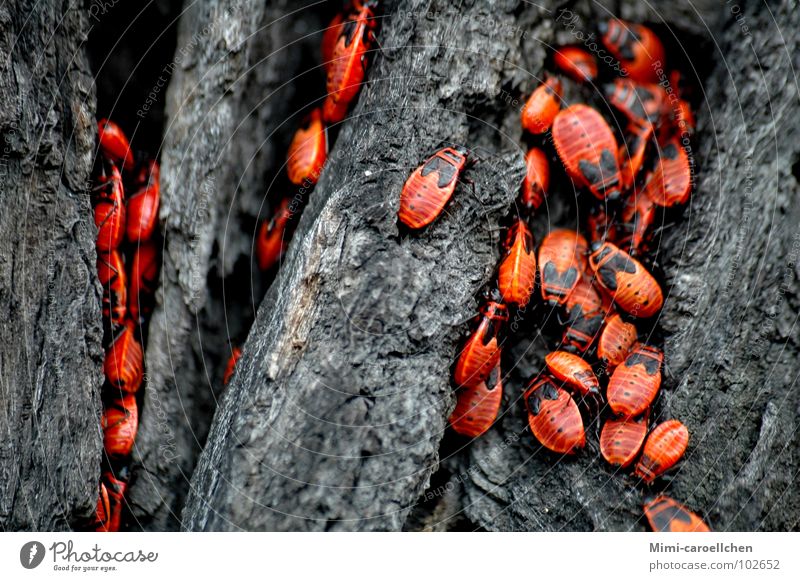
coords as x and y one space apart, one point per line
31 554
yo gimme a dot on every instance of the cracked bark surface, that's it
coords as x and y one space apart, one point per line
50 335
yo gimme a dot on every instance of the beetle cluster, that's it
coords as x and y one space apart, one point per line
127 267
346 44
597 282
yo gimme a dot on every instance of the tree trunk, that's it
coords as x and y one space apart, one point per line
227 105
50 338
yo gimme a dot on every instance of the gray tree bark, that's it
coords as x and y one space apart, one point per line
232 91
50 337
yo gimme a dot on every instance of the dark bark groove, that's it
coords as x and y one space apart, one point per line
50 335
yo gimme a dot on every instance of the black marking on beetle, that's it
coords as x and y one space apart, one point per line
651 364
663 517
494 379
447 171
533 402
452 156
670 151
590 171
349 31
552 277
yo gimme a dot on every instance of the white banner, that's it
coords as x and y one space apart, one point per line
408 556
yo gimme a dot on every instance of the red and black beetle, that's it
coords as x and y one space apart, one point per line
537 179
517 273
111 274
672 178
554 417
636 47
308 151
477 406
120 423
114 144
348 63
621 439
271 239
142 210
616 341
123 365
109 210
664 447
576 63
666 515
481 352
588 149
635 382
561 264
628 283
542 107
142 278
430 187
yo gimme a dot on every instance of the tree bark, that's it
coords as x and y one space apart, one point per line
333 419
50 338
236 73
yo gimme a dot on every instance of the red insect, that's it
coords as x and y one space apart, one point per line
111 273
621 440
640 103
430 187
120 422
631 155
585 311
638 49
616 341
561 262
477 407
109 210
481 353
574 372
142 208
537 179
638 216
554 417
576 63
102 513
517 273
236 352
630 286
116 487
114 145
588 149
664 447
542 107
672 177
634 384
348 63
123 364
666 515
143 278
308 151
330 36
272 237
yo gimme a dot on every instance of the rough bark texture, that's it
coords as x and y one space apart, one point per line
729 322
333 420
50 336
228 101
